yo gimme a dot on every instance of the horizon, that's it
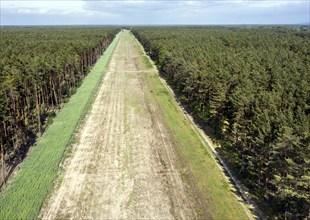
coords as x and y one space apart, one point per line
155 13
135 25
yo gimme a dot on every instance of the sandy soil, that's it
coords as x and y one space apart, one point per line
124 164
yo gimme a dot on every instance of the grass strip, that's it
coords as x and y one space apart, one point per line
213 186
25 194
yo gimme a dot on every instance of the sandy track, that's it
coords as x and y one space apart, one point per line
123 165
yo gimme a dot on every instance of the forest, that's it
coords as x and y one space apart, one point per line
251 87
40 68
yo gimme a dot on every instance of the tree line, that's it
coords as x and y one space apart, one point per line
40 68
251 85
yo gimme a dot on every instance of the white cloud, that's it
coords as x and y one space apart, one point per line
162 11
51 8
44 4
272 4
24 11
41 11
116 6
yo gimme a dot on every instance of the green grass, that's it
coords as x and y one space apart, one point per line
214 188
25 194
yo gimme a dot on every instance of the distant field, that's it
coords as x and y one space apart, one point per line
24 196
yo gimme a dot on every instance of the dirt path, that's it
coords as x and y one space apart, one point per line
123 165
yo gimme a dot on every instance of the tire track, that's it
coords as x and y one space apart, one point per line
123 165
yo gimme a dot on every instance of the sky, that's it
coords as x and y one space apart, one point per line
154 12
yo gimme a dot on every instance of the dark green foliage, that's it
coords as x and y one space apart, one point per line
40 68
252 86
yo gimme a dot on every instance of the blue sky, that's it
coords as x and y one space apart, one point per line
43 12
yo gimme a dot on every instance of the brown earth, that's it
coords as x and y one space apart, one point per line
124 164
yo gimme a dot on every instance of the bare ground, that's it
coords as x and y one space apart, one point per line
124 164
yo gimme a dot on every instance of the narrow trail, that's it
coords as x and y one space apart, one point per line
123 164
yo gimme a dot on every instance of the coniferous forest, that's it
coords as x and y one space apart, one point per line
248 86
251 86
40 68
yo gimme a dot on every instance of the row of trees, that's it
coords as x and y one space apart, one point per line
252 86
39 69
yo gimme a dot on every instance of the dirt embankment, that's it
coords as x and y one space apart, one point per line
123 165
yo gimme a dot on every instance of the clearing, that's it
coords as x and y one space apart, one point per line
129 161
